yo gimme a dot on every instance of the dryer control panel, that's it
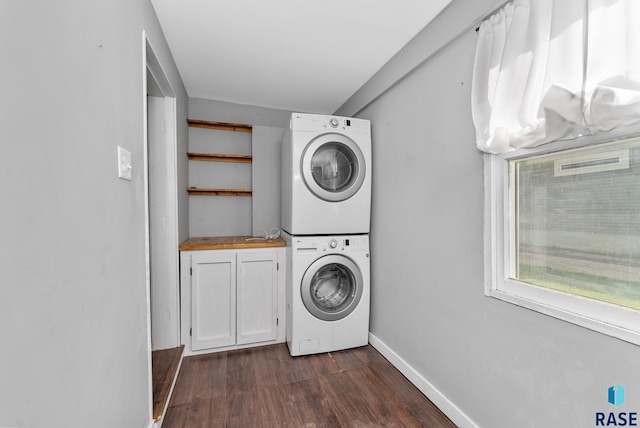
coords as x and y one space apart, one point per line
319 123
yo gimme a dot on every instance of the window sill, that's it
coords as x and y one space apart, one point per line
621 315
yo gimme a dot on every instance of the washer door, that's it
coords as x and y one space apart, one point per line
333 167
332 287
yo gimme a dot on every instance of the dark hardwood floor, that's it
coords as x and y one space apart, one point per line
266 387
164 366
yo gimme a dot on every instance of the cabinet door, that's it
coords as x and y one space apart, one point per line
257 296
213 300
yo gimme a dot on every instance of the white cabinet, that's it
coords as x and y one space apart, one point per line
231 298
213 300
257 296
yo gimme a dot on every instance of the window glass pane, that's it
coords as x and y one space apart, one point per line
576 221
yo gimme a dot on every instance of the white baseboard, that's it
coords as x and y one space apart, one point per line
431 392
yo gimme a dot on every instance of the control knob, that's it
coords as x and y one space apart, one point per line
333 243
333 122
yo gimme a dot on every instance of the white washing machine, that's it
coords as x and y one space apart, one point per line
326 181
328 293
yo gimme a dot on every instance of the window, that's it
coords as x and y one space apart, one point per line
564 232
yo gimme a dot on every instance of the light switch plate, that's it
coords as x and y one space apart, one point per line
124 164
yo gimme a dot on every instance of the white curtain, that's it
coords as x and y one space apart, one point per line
555 69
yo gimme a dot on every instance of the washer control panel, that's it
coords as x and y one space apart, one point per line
330 244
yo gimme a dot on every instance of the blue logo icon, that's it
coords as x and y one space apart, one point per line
616 395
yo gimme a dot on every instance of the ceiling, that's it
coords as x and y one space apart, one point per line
296 55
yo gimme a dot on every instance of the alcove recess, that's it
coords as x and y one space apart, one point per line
219 157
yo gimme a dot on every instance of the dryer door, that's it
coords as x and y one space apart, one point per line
333 167
332 287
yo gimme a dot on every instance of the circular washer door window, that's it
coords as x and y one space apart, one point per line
332 287
333 167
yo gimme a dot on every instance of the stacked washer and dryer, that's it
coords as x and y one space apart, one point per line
326 208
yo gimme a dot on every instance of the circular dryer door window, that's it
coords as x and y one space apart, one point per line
332 287
333 167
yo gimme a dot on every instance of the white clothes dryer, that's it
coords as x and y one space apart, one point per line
327 293
326 181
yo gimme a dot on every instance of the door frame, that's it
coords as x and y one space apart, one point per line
162 117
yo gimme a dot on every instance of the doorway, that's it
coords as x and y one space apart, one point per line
161 217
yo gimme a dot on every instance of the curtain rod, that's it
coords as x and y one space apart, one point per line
488 15
474 24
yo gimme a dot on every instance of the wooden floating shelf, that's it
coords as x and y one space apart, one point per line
203 191
211 157
236 127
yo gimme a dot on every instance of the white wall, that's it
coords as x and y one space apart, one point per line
222 111
73 312
501 365
266 172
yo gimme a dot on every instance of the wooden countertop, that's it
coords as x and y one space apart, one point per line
229 242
